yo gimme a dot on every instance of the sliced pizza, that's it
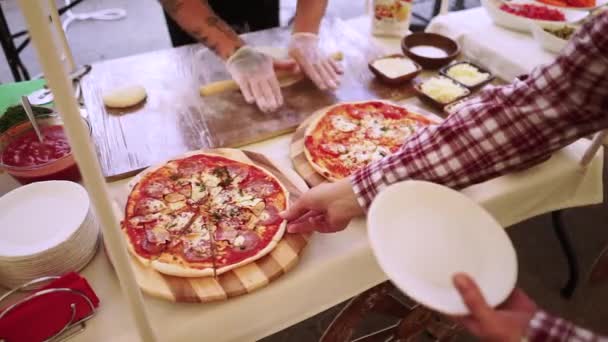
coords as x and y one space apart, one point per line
203 214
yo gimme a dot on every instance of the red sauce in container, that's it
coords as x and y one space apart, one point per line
26 150
29 160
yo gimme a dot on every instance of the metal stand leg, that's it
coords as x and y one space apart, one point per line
566 245
10 51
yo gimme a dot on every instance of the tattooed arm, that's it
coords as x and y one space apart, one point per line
198 19
308 15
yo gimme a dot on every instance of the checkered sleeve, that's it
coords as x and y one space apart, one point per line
506 128
546 328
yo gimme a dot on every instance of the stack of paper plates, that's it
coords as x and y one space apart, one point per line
46 228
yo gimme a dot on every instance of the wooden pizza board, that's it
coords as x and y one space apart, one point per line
239 281
296 148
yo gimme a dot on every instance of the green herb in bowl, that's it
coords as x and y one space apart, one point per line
16 114
564 32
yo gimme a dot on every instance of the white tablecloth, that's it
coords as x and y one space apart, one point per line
334 267
505 53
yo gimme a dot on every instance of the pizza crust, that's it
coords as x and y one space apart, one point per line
187 272
316 118
181 271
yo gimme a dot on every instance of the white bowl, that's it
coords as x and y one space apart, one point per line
522 24
547 40
423 233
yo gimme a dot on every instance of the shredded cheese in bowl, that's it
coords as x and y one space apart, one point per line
467 74
442 89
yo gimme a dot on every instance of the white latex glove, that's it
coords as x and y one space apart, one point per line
321 69
253 72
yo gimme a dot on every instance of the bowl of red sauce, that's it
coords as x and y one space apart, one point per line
28 160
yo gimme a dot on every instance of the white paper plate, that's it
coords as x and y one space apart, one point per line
517 23
40 216
423 233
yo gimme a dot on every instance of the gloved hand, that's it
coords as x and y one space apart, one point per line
253 72
321 69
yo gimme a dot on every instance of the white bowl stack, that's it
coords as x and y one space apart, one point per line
46 228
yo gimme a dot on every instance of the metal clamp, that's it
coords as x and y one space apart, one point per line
71 328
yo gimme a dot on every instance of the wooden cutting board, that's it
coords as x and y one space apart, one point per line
241 280
175 119
298 157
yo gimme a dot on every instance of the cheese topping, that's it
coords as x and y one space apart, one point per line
442 89
467 74
199 189
180 221
239 240
153 205
343 124
210 180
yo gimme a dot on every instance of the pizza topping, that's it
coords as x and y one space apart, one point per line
175 206
174 197
223 175
261 188
157 235
150 206
270 216
343 124
334 149
246 241
180 221
257 209
135 221
210 180
156 188
199 190
238 173
225 234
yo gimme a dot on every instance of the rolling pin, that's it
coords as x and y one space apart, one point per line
282 75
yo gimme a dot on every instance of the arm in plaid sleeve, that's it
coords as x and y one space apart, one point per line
543 328
506 128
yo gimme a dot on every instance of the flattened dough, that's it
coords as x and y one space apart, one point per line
124 97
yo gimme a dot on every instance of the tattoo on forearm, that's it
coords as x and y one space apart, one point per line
210 30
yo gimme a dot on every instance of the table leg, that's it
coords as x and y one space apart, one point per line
566 245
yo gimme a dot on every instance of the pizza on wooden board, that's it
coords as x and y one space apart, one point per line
343 138
203 214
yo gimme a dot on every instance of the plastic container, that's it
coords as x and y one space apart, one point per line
391 18
63 168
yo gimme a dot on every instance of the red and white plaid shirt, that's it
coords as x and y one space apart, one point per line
545 328
506 128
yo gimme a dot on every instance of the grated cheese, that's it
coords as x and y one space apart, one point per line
467 74
442 89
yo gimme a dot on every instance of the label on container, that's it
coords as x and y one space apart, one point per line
391 17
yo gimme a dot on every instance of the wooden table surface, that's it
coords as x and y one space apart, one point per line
175 119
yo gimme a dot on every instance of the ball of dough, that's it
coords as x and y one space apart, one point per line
124 97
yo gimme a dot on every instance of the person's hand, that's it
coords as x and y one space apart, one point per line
254 72
326 208
321 69
508 322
